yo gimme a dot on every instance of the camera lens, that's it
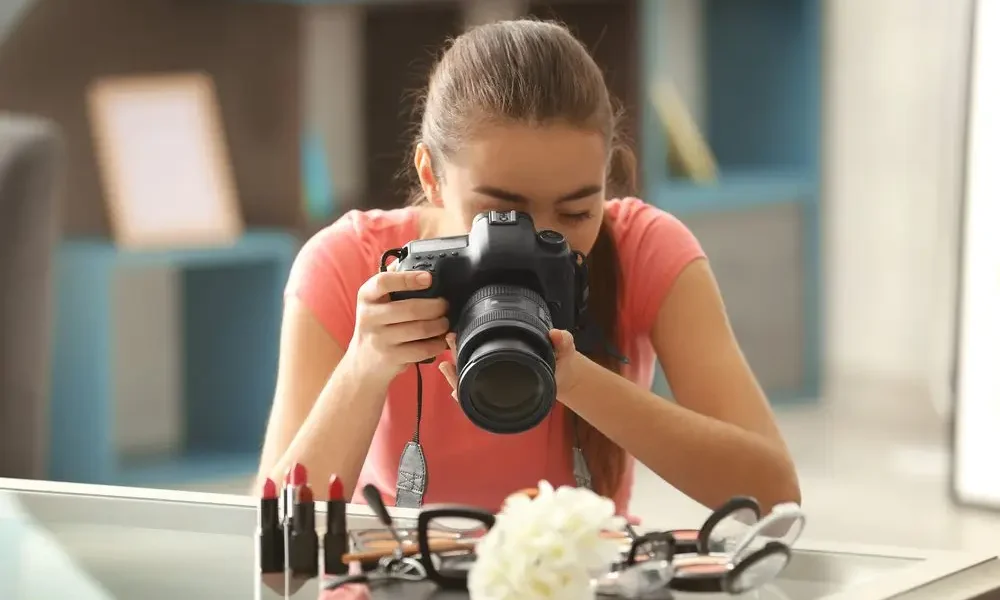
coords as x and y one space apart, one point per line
506 365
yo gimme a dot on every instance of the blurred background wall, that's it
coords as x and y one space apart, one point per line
894 135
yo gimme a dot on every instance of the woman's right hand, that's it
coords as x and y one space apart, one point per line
391 335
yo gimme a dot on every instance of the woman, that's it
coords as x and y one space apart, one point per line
517 116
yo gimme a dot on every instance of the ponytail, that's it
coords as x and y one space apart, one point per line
606 459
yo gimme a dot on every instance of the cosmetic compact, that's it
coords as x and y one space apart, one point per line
728 523
717 573
746 561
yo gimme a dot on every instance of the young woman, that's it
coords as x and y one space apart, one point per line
517 116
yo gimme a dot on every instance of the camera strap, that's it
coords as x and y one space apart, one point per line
411 475
581 472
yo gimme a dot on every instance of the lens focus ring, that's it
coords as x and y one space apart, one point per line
533 319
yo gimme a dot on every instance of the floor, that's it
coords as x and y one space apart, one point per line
873 465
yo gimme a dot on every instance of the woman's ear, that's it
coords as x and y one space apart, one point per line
422 161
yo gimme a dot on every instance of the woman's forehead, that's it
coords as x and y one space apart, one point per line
535 162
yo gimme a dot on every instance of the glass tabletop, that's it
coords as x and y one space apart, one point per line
98 543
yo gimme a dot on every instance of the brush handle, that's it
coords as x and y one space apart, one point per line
373 498
409 549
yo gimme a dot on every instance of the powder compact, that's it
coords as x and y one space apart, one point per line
745 562
716 573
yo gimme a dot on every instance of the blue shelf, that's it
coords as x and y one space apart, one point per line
762 119
231 299
734 190
253 247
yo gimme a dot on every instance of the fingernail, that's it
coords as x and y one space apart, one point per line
455 396
424 278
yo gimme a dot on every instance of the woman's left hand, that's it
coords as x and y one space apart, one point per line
568 362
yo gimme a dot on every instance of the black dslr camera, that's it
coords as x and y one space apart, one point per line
506 286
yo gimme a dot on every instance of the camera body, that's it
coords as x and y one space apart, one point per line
507 286
501 248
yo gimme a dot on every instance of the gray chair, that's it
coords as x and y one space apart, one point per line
30 168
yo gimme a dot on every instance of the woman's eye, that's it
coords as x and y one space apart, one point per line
576 217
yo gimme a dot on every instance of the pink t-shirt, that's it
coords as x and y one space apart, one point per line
464 463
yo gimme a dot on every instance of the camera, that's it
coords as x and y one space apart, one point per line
507 285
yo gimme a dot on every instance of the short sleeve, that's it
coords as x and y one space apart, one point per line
328 272
654 247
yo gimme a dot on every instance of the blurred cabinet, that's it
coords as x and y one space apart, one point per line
401 43
751 69
229 300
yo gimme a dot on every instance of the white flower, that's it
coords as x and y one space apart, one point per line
546 548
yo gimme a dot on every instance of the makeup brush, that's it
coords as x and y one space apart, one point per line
373 498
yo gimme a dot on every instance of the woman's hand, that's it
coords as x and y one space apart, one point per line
391 335
568 362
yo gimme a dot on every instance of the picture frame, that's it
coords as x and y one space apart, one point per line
163 161
689 156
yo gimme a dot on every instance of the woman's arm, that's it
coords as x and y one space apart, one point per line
316 388
720 439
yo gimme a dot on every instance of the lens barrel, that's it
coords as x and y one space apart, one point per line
506 364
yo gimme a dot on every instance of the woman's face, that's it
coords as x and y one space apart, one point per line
554 173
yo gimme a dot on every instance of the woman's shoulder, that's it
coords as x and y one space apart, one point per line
334 263
632 217
654 247
374 229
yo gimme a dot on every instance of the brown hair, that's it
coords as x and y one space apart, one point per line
535 72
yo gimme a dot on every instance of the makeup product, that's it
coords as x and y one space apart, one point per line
706 573
718 573
270 538
783 524
759 568
304 543
398 564
374 500
642 580
335 540
410 549
728 524
295 476
686 540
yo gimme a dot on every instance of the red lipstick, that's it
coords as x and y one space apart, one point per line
304 543
270 541
335 540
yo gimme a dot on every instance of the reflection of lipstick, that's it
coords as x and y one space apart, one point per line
304 548
270 541
335 541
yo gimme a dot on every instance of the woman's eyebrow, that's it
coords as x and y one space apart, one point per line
508 196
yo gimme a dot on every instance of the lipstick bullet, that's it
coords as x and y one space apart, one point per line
270 539
296 476
335 540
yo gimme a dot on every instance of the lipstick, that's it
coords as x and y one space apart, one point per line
301 541
335 540
270 539
295 477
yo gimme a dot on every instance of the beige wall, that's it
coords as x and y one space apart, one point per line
894 138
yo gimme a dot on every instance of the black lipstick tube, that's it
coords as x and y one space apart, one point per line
304 542
335 541
270 538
